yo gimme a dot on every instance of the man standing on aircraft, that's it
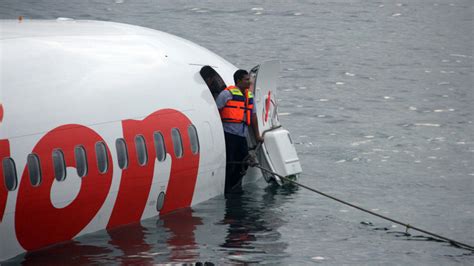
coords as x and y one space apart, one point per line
236 107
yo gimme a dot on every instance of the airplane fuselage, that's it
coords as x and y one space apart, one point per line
102 124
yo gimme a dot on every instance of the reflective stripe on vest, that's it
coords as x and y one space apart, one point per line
239 108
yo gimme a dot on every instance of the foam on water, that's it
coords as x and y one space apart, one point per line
460 55
358 143
446 72
427 125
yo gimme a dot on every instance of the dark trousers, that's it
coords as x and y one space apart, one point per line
236 151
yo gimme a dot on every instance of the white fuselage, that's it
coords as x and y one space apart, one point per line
76 84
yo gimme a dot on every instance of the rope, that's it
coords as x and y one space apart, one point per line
406 225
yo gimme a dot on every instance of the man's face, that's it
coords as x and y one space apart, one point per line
244 83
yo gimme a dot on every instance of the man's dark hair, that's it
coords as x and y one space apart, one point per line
239 74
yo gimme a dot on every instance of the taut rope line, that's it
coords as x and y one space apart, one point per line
408 226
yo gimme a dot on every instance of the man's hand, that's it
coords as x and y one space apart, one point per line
259 139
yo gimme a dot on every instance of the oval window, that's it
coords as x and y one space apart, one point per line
59 165
141 150
34 169
160 201
159 146
9 172
177 143
193 137
81 161
122 153
101 155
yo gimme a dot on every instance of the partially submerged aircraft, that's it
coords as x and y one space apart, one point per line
104 124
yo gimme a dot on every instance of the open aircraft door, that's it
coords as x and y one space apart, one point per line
277 153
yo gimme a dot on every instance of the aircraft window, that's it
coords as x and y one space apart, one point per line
122 153
101 155
141 150
9 172
177 143
193 136
59 165
159 146
160 201
213 80
34 169
81 161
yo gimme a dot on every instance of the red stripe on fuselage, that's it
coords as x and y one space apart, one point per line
37 222
4 152
136 180
1 113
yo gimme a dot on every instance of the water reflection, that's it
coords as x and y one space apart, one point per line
181 242
131 241
167 239
241 228
253 218
72 253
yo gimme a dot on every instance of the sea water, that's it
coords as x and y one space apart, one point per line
378 97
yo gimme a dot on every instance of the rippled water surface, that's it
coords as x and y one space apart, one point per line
378 96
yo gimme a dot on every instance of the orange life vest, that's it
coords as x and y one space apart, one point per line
237 108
